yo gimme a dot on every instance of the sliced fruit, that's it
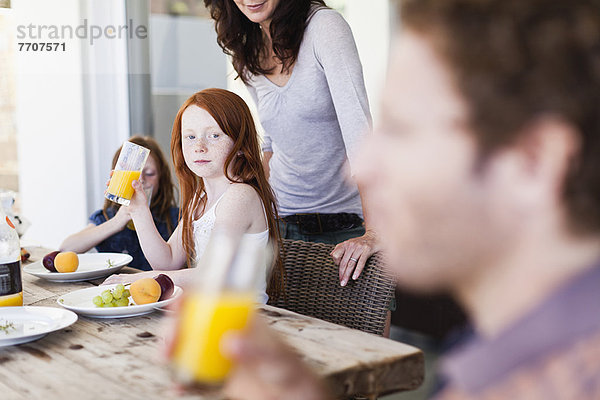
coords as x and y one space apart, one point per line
48 261
166 286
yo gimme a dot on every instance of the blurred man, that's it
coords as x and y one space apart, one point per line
484 178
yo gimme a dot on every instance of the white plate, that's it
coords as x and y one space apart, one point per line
80 301
91 266
31 323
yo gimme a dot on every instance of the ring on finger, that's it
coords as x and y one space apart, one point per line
354 259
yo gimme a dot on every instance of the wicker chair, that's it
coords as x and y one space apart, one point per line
313 288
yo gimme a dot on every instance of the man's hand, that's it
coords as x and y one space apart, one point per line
266 368
352 255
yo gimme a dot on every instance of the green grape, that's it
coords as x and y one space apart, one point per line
97 300
126 293
111 304
107 297
117 294
123 302
120 287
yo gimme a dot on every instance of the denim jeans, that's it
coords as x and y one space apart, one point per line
292 231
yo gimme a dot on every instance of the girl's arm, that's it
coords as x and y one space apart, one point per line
161 255
181 277
91 235
239 211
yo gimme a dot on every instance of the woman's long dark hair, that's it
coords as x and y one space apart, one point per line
243 40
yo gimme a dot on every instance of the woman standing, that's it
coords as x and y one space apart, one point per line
300 63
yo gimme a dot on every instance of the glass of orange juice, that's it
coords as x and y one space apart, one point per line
223 299
132 159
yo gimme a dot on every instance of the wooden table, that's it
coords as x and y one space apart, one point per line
120 358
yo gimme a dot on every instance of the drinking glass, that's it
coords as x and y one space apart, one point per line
132 159
222 299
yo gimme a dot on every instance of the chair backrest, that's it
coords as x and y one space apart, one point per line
312 287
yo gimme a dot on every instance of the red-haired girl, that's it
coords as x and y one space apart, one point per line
217 160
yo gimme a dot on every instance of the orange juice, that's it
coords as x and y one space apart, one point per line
204 320
11 287
120 183
11 300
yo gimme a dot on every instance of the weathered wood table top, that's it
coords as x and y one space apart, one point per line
120 358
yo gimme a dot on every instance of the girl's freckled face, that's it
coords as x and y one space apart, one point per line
205 146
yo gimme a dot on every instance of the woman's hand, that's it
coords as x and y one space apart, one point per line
352 255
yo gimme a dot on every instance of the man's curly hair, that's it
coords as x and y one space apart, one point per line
516 60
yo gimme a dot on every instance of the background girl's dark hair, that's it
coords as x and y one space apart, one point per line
163 196
243 162
243 39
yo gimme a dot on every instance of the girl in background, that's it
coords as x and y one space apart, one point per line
109 230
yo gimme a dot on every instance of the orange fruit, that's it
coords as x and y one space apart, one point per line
145 290
66 262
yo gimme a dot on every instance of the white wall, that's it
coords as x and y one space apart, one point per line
71 114
105 98
50 127
370 23
185 58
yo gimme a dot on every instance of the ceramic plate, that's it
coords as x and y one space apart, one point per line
91 266
26 324
80 301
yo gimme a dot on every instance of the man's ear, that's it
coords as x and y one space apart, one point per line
530 173
549 146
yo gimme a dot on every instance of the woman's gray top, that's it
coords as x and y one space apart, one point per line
315 123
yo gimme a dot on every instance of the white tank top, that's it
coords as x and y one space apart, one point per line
203 227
